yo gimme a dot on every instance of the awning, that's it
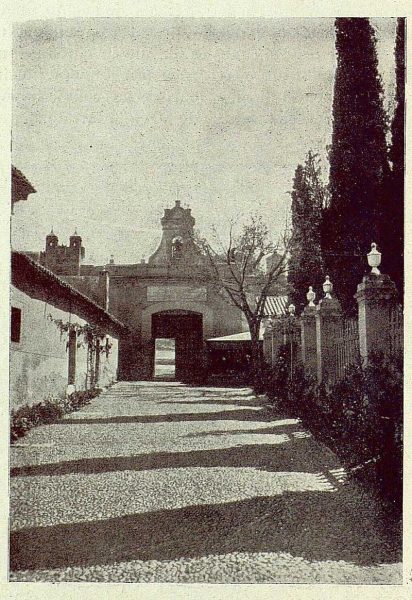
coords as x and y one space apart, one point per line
236 337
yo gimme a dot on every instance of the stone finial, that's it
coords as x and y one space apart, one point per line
327 287
291 309
374 259
311 295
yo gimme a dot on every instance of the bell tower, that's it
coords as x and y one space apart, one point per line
177 237
52 240
76 245
61 259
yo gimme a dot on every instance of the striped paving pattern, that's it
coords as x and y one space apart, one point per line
160 482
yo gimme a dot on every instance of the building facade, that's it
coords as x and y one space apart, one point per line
171 296
60 340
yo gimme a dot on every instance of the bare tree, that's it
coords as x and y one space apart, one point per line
248 267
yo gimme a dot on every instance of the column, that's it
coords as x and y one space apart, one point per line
328 324
309 348
72 360
376 296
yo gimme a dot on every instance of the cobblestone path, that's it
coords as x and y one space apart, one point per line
160 482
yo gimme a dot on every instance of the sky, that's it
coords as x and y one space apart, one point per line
114 119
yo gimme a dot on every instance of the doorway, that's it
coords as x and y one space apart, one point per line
186 329
165 359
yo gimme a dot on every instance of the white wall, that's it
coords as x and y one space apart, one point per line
39 362
108 365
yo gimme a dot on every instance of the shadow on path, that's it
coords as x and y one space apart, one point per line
315 526
297 455
238 401
229 415
274 429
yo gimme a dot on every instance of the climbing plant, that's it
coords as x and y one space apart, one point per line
87 335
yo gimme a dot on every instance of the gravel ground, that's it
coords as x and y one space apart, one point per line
160 482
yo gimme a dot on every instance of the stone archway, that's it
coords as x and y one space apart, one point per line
186 328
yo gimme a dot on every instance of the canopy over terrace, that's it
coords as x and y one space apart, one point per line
229 358
236 338
275 306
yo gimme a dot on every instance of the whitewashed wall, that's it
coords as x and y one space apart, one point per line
39 362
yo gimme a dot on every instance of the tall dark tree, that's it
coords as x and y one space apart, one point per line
305 264
358 159
393 223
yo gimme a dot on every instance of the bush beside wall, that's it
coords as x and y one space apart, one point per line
49 411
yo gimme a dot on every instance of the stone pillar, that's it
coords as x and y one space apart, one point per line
278 335
267 344
273 339
376 296
308 333
97 363
328 323
72 356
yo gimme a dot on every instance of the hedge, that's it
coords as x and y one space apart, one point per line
49 411
360 417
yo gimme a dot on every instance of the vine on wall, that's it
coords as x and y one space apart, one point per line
87 335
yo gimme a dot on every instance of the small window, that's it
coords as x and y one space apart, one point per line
177 247
15 324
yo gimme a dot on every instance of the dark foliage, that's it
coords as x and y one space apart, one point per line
358 158
305 264
278 378
26 417
360 417
393 221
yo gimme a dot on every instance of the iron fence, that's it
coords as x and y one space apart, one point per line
345 347
396 330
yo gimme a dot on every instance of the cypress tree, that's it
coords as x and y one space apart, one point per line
358 159
305 265
393 223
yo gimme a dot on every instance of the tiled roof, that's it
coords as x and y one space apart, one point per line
20 185
275 306
38 282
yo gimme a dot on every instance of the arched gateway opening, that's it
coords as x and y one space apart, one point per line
186 329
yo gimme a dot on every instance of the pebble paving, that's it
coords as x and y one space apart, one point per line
161 482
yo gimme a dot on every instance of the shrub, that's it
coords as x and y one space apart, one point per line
360 417
278 380
49 411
